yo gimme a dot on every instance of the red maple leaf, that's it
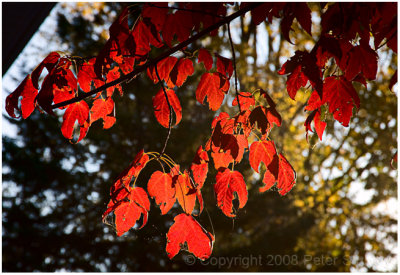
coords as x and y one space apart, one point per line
259 115
199 167
261 151
341 97
228 183
164 68
127 213
286 176
28 92
76 112
160 188
162 110
100 109
246 100
185 192
182 69
186 233
271 174
360 59
119 189
210 87
224 66
318 124
205 57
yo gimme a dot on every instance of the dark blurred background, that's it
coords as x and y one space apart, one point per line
342 207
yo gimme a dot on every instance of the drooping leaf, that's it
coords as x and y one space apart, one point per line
318 124
86 76
76 112
205 57
199 167
28 93
49 63
261 151
341 97
160 188
119 189
162 110
185 192
182 69
128 212
210 87
361 59
224 66
187 234
270 175
101 108
164 68
295 81
228 183
286 176
259 115
246 100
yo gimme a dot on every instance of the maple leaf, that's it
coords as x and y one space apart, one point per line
341 98
179 24
182 69
205 57
162 110
296 80
246 100
100 109
157 14
184 192
49 63
86 76
228 183
127 213
210 87
186 233
199 167
361 59
118 190
314 102
28 92
286 176
259 115
164 68
160 188
78 111
224 66
309 69
261 151
318 124
270 175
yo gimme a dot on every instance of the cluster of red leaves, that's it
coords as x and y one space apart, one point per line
344 42
342 24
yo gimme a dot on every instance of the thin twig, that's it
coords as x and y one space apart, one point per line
167 53
234 66
170 111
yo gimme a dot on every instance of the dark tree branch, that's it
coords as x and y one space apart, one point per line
167 53
234 66
170 112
